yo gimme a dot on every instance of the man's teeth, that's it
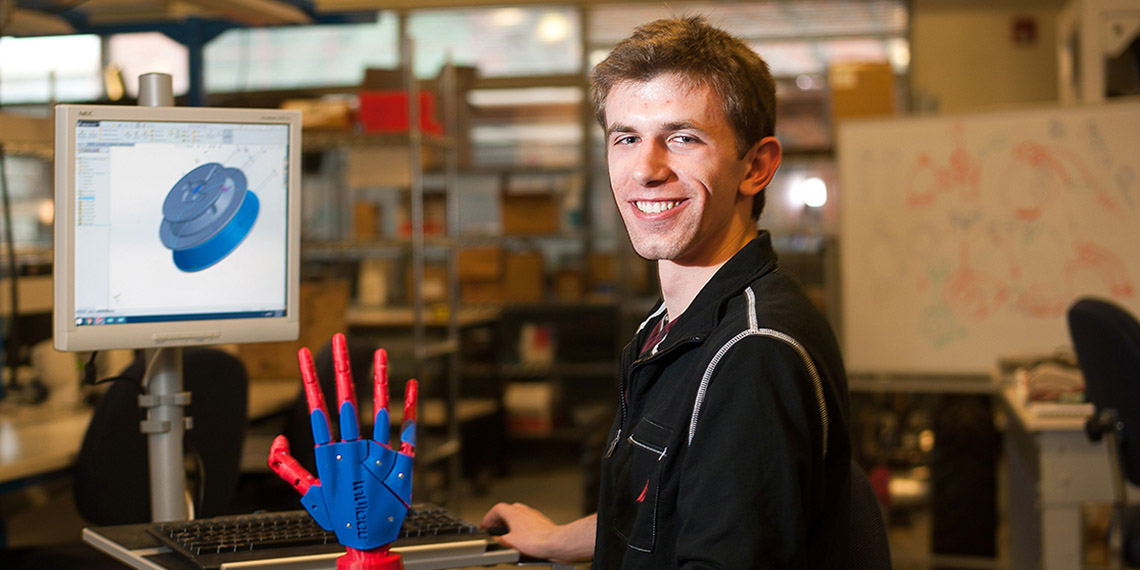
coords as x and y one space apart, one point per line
655 207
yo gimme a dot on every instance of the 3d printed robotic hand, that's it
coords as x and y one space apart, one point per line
365 486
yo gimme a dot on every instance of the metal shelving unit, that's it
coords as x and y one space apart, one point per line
411 331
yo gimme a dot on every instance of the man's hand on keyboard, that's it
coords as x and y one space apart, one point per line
365 486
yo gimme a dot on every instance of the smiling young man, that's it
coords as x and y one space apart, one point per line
730 448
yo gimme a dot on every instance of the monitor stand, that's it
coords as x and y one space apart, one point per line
165 426
165 423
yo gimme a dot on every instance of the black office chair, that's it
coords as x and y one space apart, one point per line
111 478
1106 339
111 472
870 549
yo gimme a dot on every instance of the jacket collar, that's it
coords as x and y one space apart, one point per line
755 259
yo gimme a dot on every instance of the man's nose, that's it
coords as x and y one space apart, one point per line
652 165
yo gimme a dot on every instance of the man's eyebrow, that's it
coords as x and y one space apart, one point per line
666 127
681 126
619 128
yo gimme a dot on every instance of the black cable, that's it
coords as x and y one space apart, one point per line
131 374
89 369
196 471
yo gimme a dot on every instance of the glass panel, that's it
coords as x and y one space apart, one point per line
56 68
858 49
499 41
758 20
309 56
788 59
30 191
796 38
152 52
538 126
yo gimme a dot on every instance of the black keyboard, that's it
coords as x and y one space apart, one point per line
211 542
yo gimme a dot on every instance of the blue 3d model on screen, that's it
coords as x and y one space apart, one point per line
206 215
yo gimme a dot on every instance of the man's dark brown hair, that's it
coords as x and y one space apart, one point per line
704 56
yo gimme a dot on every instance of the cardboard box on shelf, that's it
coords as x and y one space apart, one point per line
384 165
537 344
569 285
383 78
601 272
479 291
480 263
529 214
861 89
435 215
322 309
322 114
366 220
378 166
434 285
530 408
372 281
523 277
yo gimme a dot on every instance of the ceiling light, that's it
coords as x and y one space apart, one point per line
553 28
507 17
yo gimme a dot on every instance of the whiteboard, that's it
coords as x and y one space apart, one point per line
967 237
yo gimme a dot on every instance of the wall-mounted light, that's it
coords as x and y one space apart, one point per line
811 192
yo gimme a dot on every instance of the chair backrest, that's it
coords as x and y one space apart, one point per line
869 546
1106 339
112 471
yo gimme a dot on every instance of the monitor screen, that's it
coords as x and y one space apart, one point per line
175 226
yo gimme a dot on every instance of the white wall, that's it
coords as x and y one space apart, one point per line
963 56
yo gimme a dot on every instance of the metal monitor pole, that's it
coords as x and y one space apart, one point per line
165 423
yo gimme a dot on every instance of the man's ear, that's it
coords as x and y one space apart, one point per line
763 161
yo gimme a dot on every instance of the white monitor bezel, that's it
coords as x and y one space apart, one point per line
68 336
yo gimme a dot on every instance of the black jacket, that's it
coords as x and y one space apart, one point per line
730 448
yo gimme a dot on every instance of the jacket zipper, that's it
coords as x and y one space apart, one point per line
623 383
623 395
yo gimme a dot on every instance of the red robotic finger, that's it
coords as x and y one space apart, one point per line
285 466
345 390
318 412
408 425
381 428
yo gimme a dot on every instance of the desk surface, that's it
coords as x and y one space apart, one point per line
37 440
132 545
1032 422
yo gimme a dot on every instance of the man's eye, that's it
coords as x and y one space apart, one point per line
685 139
628 139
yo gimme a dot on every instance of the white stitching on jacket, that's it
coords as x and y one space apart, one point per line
754 329
659 310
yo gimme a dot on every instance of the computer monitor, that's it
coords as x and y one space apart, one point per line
175 226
